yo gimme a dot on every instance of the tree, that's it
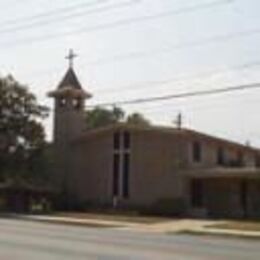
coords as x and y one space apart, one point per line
99 117
137 119
102 117
21 133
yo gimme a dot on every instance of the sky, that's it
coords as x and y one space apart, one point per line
129 49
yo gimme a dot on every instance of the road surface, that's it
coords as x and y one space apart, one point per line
26 240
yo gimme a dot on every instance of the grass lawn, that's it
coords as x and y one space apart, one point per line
122 217
239 225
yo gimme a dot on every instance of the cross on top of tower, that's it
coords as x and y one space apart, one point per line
71 56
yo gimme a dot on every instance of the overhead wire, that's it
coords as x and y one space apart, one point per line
201 75
197 43
179 95
70 13
151 54
120 23
47 14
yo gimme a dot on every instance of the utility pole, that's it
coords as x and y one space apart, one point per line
179 120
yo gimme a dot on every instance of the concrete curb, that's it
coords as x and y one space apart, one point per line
223 233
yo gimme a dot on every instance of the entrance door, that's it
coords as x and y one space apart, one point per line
197 194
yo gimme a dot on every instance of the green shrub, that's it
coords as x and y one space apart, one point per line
168 207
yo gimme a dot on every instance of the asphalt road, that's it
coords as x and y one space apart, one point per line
26 240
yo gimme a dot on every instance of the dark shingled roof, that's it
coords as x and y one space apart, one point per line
70 79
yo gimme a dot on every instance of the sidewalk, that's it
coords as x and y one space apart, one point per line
75 221
176 226
224 232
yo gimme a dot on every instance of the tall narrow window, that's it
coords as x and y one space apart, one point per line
127 140
240 159
116 140
125 183
196 152
116 167
220 156
121 164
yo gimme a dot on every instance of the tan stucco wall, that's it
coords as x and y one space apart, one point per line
157 170
155 160
93 169
209 154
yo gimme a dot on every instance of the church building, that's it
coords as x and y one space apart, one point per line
158 169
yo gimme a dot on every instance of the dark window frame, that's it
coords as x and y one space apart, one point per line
240 158
220 156
125 177
116 140
116 172
196 151
127 140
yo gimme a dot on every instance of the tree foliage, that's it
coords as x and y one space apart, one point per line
137 119
21 133
99 117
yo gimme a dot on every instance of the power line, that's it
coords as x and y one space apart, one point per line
122 22
53 12
139 55
197 43
142 85
49 13
220 104
55 17
180 95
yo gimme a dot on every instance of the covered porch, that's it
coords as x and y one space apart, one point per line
225 193
21 197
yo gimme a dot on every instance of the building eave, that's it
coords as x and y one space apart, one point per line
224 173
187 133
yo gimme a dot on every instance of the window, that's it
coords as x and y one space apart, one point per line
76 103
121 164
196 152
125 179
240 158
220 156
62 102
126 140
197 193
116 167
116 141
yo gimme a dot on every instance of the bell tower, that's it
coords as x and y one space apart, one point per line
69 98
69 123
